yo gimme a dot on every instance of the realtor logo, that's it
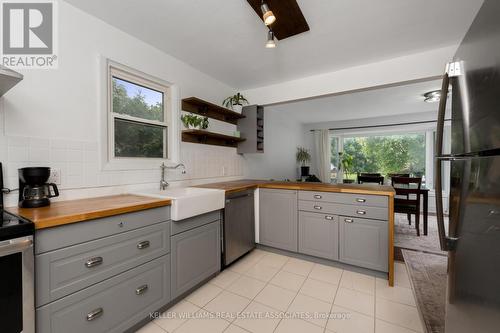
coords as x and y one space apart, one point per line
28 32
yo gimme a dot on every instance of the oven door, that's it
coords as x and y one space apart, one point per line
17 308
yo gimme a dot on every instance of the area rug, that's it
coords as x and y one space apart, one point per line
428 277
405 236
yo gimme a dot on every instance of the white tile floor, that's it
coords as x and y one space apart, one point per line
292 295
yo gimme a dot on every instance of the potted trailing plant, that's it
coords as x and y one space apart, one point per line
303 158
192 121
235 102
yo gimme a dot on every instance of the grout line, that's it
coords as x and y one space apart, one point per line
296 294
334 298
394 324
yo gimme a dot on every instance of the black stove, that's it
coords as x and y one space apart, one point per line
12 226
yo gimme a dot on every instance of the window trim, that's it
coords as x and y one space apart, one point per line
171 111
427 130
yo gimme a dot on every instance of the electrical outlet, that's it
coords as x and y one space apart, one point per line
55 176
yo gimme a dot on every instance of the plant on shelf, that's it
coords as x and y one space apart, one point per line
192 121
235 102
303 158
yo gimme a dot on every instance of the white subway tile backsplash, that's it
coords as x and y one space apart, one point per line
18 141
91 156
75 145
58 144
73 155
74 168
78 162
58 155
39 154
91 146
18 153
39 143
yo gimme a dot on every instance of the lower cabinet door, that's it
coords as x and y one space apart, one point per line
318 235
196 255
113 305
278 218
364 242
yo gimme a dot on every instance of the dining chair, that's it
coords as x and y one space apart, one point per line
407 198
372 178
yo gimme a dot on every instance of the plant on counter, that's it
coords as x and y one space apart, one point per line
235 102
346 163
303 158
194 122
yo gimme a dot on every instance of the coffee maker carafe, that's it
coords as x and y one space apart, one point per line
34 191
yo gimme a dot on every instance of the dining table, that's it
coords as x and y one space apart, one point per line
424 192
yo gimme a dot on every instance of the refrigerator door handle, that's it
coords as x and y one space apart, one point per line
439 152
451 158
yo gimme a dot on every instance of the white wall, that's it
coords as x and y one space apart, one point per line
282 135
417 66
52 116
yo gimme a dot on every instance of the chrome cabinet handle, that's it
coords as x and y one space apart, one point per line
360 200
328 217
94 314
317 196
318 207
143 245
349 220
141 290
92 262
361 212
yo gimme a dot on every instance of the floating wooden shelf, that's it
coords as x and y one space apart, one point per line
210 138
207 109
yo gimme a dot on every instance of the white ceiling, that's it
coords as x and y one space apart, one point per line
391 101
225 39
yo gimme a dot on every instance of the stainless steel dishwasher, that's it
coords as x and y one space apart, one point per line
238 228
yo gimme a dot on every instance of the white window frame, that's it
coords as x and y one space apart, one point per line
426 129
171 102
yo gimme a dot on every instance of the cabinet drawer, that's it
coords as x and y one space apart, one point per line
378 213
67 270
194 222
50 239
364 242
345 198
112 305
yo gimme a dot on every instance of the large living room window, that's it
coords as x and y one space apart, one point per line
386 154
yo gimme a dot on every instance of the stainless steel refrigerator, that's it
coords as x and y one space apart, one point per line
473 238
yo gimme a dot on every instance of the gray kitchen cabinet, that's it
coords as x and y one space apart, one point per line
64 271
364 242
278 219
196 255
111 306
102 275
318 235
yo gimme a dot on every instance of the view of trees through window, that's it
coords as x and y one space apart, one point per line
381 154
134 138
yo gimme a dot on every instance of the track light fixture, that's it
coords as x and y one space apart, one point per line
267 14
270 44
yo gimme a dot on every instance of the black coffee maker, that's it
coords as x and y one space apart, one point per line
34 191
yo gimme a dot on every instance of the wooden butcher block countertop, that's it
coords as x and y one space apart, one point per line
71 211
240 185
